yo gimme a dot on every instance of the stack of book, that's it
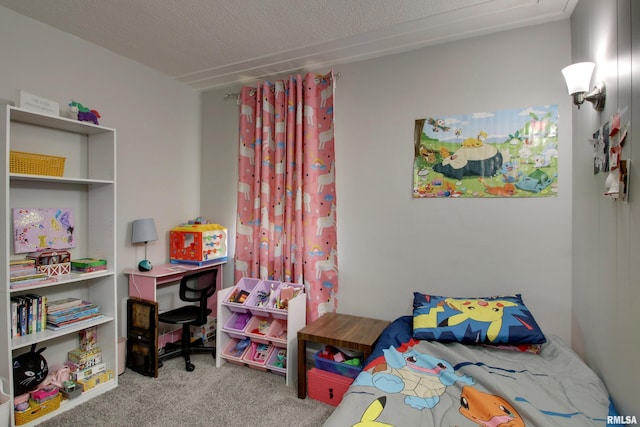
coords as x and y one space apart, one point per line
70 311
28 314
23 273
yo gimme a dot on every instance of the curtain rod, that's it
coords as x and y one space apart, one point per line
236 95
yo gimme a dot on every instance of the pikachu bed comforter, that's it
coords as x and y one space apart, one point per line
407 382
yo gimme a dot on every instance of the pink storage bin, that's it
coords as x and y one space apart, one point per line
258 328
257 354
275 306
277 361
262 296
237 324
235 350
278 332
240 293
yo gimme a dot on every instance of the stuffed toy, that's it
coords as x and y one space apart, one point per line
29 370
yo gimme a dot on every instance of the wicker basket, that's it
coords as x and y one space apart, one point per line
37 410
35 164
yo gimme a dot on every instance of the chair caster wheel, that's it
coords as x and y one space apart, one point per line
190 367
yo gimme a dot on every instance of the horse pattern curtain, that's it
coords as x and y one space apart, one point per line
286 221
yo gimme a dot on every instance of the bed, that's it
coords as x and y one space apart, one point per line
472 370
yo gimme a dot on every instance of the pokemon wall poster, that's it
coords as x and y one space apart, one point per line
507 153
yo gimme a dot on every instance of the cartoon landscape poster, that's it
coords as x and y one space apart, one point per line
507 153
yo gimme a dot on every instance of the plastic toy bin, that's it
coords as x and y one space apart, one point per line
278 331
237 324
336 367
277 361
274 308
262 297
257 354
258 328
238 296
235 350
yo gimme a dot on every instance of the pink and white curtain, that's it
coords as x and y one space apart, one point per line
286 221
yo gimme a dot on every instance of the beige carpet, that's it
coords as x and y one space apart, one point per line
227 396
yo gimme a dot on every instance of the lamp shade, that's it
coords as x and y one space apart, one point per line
143 230
578 76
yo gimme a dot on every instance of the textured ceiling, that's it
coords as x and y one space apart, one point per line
215 43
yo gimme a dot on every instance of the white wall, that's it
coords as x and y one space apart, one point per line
219 167
390 244
606 234
157 122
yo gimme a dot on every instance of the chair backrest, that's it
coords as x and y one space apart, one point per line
199 287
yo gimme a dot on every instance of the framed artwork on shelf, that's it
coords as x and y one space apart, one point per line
37 229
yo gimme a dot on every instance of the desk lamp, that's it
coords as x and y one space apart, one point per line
144 231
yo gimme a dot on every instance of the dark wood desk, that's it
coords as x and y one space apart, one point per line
340 330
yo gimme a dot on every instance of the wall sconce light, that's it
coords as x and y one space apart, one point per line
578 78
144 231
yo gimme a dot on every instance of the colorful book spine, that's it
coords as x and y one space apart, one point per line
43 314
36 301
15 304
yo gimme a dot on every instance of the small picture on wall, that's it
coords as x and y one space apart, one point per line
37 229
601 150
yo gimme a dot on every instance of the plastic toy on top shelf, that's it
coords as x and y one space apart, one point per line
83 113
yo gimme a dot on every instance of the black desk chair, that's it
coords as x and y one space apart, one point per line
195 287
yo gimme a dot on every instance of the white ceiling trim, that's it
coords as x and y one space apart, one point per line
462 23
208 44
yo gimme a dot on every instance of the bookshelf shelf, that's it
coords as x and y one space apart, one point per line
66 279
49 334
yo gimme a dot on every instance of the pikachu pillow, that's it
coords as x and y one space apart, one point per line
498 320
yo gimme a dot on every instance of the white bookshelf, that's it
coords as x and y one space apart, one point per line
88 186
